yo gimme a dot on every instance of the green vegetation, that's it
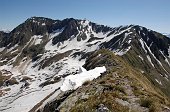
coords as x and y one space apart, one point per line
146 102
119 75
120 83
91 104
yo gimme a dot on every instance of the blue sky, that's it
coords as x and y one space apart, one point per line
153 14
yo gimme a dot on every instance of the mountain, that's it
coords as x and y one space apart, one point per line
39 54
120 89
5 30
166 34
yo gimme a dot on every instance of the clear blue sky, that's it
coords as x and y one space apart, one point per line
153 14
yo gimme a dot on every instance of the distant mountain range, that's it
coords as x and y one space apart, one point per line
38 55
5 30
166 34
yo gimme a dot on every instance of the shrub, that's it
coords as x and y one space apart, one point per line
120 89
152 108
102 82
146 103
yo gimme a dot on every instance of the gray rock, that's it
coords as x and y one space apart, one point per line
102 108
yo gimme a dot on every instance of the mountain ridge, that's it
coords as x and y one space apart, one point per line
39 53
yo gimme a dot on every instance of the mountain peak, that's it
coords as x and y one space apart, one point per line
38 18
41 52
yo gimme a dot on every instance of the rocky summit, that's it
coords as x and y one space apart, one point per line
105 69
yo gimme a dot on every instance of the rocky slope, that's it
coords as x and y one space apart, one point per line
120 89
37 55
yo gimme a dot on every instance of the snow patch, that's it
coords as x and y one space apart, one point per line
159 82
14 51
149 59
142 71
166 60
37 39
122 52
12 48
169 52
74 81
153 56
98 55
140 57
49 46
19 99
43 24
126 34
85 23
1 49
143 46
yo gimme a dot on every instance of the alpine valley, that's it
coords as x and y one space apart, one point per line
74 65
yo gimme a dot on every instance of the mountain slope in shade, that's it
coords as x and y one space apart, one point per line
38 54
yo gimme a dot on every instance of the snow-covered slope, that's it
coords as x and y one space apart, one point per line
39 66
39 54
75 81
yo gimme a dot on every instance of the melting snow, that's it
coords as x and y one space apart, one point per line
12 48
144 43
1 49
43 24
141 28
21 98
166 60
74 81
37 39
140 57
49 46
169 52
122 52
149 59
24 101
166 76
158 81
14 51
85 23
143 46
126 34
142 71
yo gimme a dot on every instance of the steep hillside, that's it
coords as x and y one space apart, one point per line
148 52
37 56
120 89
